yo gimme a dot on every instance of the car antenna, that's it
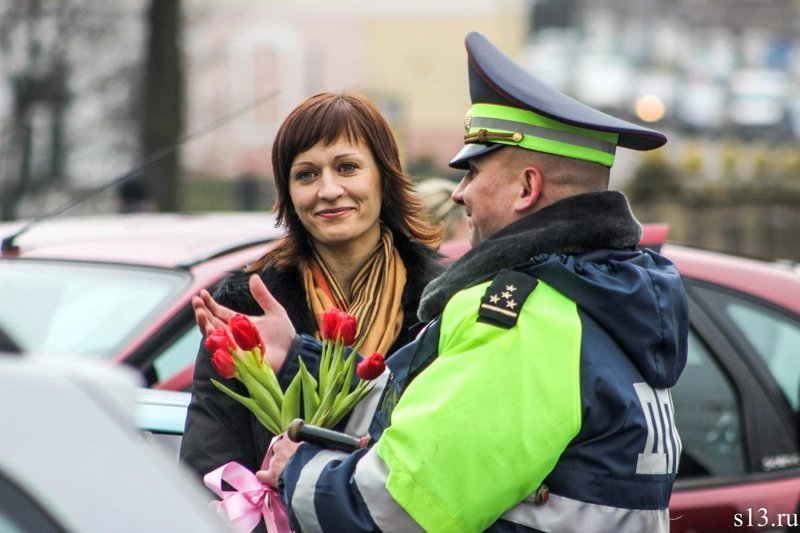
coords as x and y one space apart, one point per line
9 247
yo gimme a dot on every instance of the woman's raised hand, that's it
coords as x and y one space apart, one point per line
274 326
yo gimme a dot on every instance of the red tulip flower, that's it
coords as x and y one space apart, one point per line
336 323
371 367
245 333
347 329
219 340
223 363
330 323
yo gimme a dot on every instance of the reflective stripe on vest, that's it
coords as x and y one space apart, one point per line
303 498
565 514
370 478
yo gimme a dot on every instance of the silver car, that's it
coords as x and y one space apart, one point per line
72 458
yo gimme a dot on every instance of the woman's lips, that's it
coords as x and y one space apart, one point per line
334 213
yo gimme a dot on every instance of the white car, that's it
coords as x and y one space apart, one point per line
72 458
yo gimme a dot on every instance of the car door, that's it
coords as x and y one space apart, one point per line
739 468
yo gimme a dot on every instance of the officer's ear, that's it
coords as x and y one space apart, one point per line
530 189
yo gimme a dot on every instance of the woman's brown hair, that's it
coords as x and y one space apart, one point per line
326 118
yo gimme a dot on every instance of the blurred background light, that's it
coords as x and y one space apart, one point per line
650 108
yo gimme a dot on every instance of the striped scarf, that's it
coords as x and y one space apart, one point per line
376 294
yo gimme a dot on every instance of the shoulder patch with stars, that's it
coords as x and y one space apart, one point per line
501 304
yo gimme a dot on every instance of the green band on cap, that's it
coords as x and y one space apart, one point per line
543 134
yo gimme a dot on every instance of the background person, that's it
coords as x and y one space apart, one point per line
436 193
549 354
132 197
356 239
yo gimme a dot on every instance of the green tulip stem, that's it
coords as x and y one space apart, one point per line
252 405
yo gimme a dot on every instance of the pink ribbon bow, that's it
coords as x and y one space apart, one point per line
251 500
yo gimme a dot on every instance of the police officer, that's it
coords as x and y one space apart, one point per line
537 398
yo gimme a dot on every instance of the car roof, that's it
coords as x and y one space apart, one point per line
775 281
175 240
155 239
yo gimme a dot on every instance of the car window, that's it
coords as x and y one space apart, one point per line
773 335
73 308
178 355
777 341
708 417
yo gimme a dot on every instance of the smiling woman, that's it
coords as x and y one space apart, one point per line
336 192
357 239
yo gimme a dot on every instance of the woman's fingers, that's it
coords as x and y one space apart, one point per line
200 315
207 322
275 327
219 311
204 318
263 297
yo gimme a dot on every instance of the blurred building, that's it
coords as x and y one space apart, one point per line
71 70
407 55
698 66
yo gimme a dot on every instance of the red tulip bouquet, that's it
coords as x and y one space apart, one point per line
325 402
240 355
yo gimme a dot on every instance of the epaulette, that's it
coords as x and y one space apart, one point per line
504 298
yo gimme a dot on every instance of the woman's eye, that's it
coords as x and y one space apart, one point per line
304 175
348 168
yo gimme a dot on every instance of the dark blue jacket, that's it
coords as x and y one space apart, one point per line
614 472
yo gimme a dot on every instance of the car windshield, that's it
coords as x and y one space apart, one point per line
81 309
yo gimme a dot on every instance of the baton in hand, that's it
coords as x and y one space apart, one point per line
299 431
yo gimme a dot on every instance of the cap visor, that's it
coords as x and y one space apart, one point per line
469 151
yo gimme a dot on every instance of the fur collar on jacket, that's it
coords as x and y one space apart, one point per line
575 225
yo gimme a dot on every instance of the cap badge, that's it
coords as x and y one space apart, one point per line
468 120
485 136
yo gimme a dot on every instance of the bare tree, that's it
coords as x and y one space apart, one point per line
38 71
162 119
66 72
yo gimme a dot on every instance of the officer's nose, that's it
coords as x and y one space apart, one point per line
458 192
